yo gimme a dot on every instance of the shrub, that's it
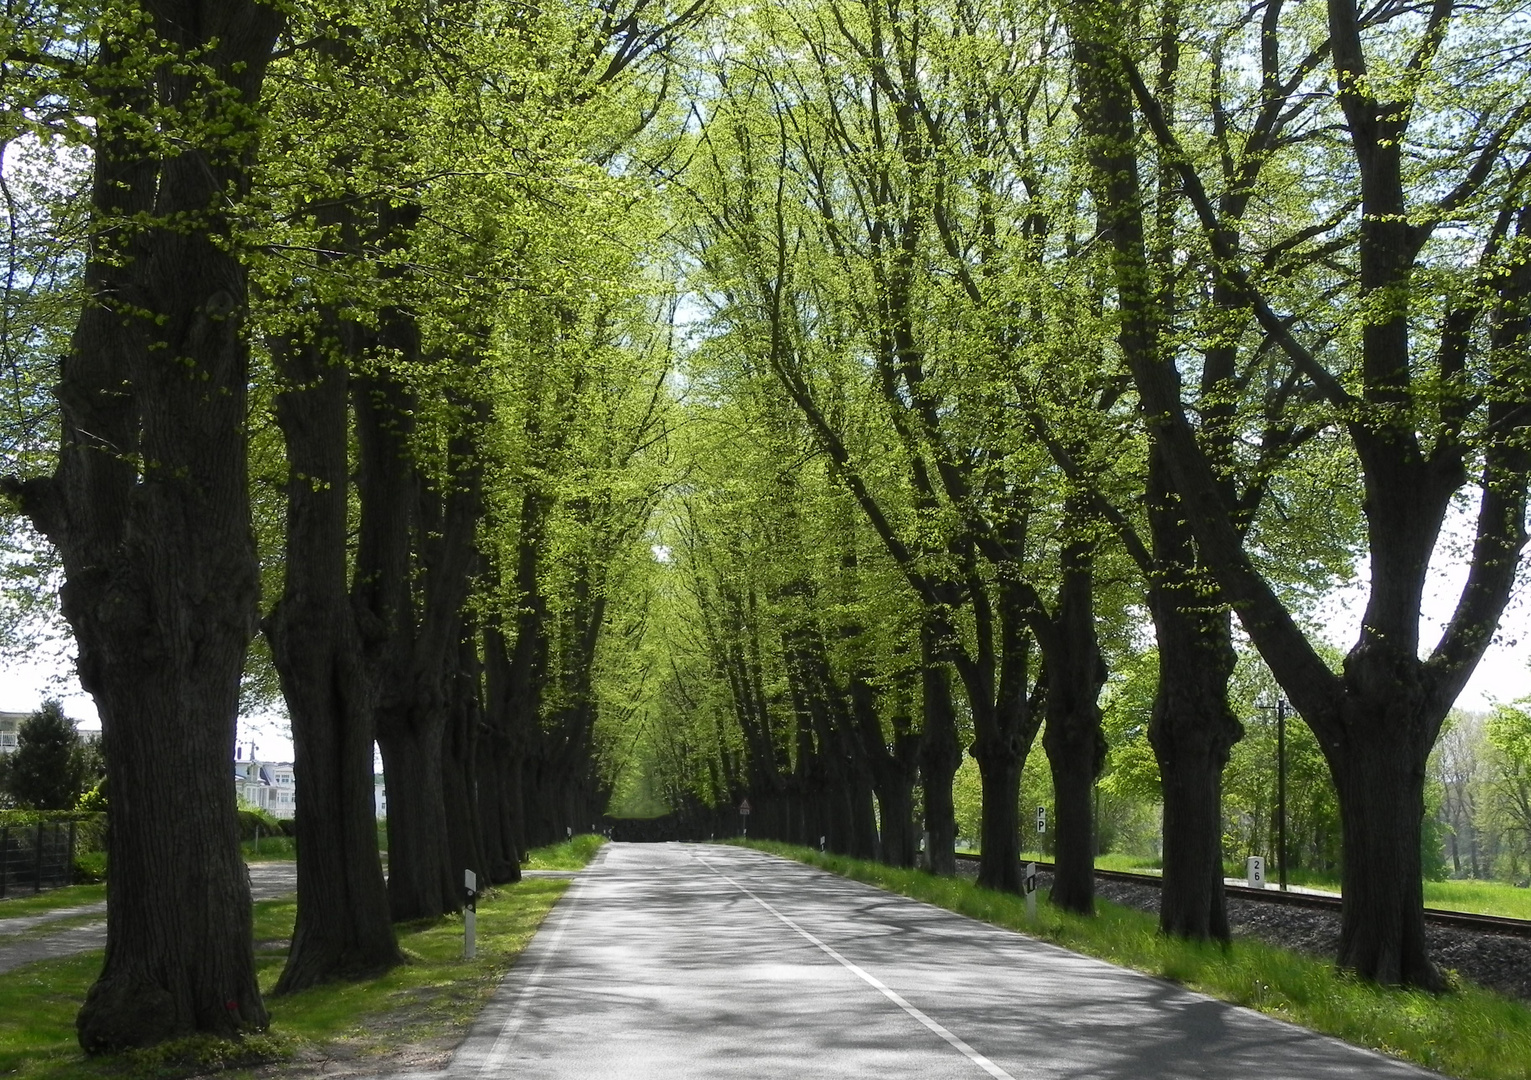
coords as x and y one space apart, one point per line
251 819
89 867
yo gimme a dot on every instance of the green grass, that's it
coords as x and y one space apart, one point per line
270 849
35 904
1469 1033
1483 897
427 1004
569 855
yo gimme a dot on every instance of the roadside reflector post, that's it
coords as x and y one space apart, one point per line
1029 887
1255 868
470 915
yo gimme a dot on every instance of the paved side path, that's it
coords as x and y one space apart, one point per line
268 881
675 961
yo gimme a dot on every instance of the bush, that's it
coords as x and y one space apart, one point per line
251 819
89 867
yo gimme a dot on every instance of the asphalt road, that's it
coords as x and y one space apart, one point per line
673 961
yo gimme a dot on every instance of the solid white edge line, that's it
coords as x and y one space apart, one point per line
873 981
508 1031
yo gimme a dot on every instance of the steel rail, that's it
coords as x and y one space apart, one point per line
1461 920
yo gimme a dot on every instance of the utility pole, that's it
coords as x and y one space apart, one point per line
1280 709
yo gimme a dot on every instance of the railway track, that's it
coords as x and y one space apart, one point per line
1488 924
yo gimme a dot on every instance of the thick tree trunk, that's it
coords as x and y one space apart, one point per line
499 767
421 884
459 771
1073 738
999 769
149 509
329 679
940 757
1192 727
1381 786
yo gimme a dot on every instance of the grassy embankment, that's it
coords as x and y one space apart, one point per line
1469 1033
1478 897
421 1009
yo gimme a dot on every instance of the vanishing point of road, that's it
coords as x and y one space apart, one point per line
695 961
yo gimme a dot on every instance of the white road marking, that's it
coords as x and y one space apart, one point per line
507 1036
873 981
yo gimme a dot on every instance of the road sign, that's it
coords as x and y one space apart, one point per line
744 807
1041 819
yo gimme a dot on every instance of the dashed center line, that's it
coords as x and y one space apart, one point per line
871 980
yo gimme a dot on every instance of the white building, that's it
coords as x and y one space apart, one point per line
265 785
10 723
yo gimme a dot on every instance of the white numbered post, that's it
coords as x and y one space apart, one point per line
1255 867
470 915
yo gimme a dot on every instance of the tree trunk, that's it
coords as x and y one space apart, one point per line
420 880
459 770
940 757
1382 809
330 682
999 768
499 767
1073 739
149 510
1192 727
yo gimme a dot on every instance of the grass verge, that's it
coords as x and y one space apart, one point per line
69 896
569 855
411 1016
1469 1033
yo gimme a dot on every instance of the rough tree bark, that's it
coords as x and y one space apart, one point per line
149 509
326 642
1192 728
1075 744
940 752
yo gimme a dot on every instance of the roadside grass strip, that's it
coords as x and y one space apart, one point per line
570 855
426 1005
1469 1032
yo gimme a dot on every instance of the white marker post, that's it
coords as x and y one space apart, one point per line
470 915
1255 868
1029 887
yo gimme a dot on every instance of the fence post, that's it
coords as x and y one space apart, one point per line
5 851
69 855
37 861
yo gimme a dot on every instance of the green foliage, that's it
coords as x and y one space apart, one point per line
1509 806
252 819
48 769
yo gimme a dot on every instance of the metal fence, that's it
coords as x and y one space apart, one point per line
36 857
